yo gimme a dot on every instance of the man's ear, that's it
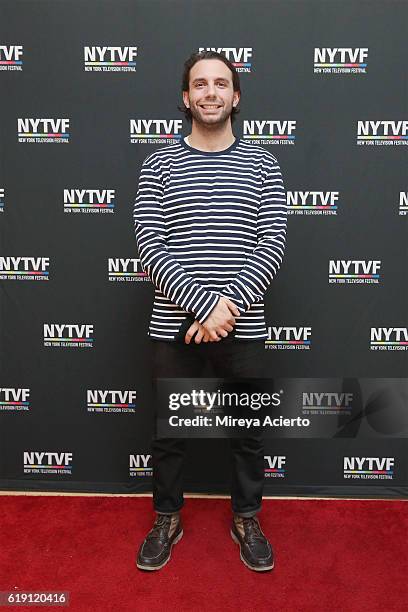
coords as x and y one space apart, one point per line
185 99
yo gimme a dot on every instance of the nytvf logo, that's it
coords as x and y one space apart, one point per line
344 60
382 132
152 131
389 338
286 337
403 203
11 57
12 399
126 269
107 400
45 462
140 465
275 466
354 271
370 468
43 130
24 268
110 59
269 131
312 202
89 200
326 402
240 57
68 334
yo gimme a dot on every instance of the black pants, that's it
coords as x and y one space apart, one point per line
228 358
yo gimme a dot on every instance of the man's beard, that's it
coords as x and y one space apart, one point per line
211 120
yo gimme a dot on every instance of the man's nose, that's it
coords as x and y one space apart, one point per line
211 90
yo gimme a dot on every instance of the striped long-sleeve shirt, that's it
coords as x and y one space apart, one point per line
209 224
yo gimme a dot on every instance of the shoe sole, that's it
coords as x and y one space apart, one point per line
157 567
255 569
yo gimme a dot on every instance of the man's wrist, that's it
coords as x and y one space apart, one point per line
204 316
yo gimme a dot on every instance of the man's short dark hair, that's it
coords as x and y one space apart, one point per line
189 63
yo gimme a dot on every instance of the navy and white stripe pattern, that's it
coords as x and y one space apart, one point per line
210 224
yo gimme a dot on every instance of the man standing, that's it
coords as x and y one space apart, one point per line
210 225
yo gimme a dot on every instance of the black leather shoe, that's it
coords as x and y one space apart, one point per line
155 550
255 550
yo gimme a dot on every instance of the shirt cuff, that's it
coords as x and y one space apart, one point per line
207 308
232 295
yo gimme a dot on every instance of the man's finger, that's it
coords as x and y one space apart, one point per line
233 308
199 335
190 332
206 337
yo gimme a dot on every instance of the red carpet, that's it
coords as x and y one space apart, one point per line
347 556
